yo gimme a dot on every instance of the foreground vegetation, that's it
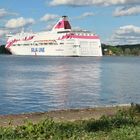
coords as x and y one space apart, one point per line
125 125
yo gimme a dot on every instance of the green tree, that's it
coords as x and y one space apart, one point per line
3 50
127 51
116 50
135 51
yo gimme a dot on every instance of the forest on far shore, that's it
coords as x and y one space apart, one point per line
3 50
119 50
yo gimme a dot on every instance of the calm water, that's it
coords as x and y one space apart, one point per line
36 84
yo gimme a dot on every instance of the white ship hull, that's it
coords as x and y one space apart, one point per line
84 49
58 42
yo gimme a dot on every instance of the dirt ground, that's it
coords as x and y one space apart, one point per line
60 115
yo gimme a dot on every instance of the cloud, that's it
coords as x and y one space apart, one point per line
50 26
3 32
128 34
93 2
19 22
49 17
128 30
127 11
4 13
86 14
124 10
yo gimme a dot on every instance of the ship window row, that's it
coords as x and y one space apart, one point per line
84 34
35 44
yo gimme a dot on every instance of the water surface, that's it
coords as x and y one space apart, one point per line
36 84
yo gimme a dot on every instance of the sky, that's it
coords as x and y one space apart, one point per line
117 22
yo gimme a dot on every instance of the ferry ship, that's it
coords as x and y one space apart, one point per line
60 41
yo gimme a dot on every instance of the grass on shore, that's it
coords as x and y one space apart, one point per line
125 125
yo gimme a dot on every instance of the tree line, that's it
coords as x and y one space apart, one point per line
3 50
121 50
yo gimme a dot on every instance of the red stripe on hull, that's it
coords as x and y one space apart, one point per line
85 37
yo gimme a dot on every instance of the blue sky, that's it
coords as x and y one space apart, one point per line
115 21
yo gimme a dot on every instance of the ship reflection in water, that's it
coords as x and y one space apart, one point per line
36 84
73 86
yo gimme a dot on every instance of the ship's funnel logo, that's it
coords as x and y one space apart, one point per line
62 24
